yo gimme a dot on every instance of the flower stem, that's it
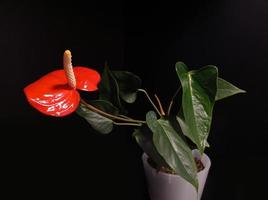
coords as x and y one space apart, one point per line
126 124
110 116
160 105
172 100
147 95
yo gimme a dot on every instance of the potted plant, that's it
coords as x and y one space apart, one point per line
173 140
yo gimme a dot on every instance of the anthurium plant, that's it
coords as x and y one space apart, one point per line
166 136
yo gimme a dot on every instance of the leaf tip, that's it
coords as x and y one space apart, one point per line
180 66
243 91
196 185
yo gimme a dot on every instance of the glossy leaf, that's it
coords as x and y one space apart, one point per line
172 148
109 89
129 84
98 122
226 89
105 106
144 138
198 98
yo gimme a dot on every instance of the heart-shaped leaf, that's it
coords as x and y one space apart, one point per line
98 122
198 98
226 89
129 84
105 106
109 89
172 148
144 138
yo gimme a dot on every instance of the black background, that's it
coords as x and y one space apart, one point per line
64 157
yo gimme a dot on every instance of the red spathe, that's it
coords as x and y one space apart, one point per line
51 94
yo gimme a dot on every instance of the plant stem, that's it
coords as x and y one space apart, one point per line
126 124
148 97
160 105
110 116
172 99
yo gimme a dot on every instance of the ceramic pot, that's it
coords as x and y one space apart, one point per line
164 186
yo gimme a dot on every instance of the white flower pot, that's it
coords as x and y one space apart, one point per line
164 186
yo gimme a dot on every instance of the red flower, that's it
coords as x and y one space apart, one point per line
55 93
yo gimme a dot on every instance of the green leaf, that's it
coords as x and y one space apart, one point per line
144 138
129 84
183 126
198 98
172 148
105 106
97 121
109 89
226 89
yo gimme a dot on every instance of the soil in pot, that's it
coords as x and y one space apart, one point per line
198 163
